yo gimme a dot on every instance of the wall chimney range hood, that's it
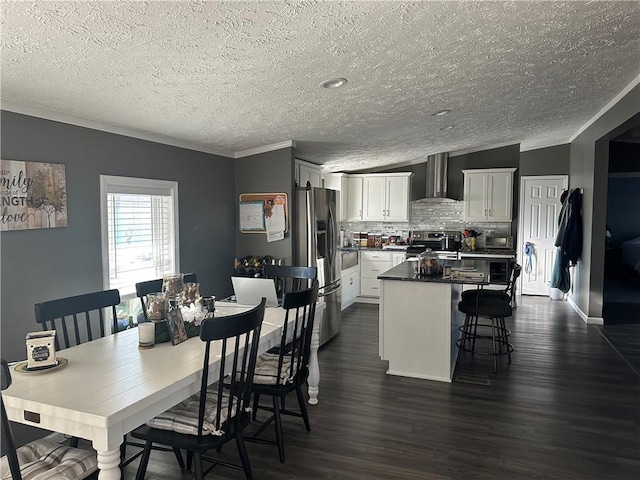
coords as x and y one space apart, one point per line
437 179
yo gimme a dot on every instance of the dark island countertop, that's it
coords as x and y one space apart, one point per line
405 272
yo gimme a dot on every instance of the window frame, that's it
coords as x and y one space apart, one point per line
140 186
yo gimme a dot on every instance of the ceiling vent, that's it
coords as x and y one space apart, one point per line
437 179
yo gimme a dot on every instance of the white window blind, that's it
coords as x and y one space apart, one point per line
140 241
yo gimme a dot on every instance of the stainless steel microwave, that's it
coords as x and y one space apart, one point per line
496 243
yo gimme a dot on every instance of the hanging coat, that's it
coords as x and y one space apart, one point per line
560 275
572 241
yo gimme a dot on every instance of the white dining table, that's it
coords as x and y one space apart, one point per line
110 386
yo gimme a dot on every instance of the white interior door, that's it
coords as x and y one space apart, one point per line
539 209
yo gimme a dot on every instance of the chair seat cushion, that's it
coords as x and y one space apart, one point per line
486 307
44 459
183 418
486 293
267 370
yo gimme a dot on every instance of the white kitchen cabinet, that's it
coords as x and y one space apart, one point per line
339 182
397 258
488 195
372 264
386 197
350 285
353 202
307 172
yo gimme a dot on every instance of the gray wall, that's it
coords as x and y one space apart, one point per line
545 161
589 163
43 264
269 172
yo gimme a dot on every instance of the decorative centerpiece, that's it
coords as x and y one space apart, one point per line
172 285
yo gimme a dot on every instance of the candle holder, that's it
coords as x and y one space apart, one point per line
172 285
156 306
191 294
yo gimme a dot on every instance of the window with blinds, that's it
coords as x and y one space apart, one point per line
139 218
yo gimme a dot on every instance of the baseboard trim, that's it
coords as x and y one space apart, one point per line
372 300
587 319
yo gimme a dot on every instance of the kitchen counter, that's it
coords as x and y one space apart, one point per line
419 321
405 272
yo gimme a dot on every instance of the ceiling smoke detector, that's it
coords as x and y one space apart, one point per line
334 83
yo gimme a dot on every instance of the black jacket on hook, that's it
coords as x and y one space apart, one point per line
569 237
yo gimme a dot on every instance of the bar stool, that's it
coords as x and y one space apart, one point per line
492 309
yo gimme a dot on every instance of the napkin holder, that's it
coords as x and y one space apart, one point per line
41 349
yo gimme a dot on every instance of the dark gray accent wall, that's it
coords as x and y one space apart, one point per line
545 161
589 163
44 264
269 172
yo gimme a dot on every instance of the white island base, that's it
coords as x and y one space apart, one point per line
419 323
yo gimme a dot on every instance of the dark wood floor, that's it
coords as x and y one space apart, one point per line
567 407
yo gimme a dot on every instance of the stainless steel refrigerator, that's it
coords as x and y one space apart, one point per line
316 244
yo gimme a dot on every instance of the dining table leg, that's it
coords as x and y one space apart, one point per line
109 464
314 367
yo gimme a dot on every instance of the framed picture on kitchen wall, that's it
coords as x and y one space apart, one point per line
32 195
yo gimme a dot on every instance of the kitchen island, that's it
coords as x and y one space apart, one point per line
419 321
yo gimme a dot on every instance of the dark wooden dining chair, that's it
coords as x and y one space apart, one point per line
80 318
218 413
290 278
153 286
41 459
280 373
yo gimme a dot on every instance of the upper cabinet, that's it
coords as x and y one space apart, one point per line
339 182
372 197
307 172
353 200
386 197
488 195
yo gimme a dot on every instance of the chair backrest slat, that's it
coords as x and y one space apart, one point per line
62 315
239 336
290 278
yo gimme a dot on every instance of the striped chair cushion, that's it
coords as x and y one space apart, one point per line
267 370
46 460
183 418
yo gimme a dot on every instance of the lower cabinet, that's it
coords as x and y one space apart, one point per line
372 264
350 285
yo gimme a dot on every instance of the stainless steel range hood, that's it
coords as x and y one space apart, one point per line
437 179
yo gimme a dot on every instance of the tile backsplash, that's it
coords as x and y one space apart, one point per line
430 216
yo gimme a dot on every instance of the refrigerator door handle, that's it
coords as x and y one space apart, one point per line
331 248
331 289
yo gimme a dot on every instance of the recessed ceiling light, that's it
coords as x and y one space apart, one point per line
441 113
334 83
448 127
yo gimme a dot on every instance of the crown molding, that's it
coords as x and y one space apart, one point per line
265 148
607 107
106 127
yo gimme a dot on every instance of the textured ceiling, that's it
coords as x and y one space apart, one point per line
227 77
